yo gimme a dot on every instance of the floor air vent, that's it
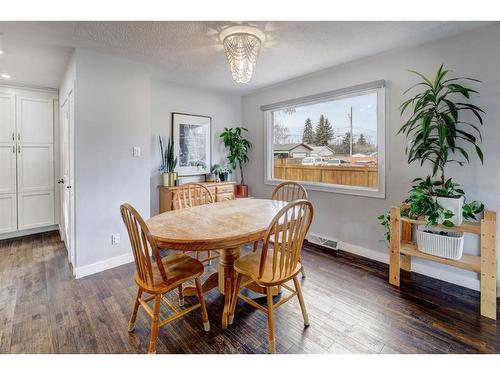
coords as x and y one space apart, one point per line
322 241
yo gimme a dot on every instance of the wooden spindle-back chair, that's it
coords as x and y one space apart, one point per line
278 262
287 191
159 276
190 195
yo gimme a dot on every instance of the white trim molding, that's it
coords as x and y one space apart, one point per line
103 265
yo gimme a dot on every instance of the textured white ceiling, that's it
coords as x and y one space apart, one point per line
191 52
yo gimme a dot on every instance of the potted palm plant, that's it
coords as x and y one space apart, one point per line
168 163
238 148
438 134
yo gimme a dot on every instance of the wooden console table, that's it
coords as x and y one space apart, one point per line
221 191
402 249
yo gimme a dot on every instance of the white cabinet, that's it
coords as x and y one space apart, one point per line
35 120
26 159
8 208
7 168
7 118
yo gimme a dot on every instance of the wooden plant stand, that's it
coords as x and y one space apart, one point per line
402 249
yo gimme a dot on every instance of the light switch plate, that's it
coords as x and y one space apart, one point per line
136 151
115 238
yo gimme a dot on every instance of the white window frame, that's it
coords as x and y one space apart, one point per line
377 87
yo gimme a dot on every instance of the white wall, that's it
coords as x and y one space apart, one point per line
352 219
113 114
225 110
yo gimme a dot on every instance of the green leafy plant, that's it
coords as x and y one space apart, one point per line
435 129
238 148
422 203
385 221
220 171
168 160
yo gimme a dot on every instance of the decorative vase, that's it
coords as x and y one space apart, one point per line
223 176
242 191
455 205
169 178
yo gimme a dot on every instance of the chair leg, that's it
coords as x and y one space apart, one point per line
302 268
234 300
255 246
181 295
270 321
204 315
210 261
131 324
301 300
154 324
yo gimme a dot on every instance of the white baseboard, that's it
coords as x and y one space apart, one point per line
103 265
27 232
470 282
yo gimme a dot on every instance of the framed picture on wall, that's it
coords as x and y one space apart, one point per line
192 143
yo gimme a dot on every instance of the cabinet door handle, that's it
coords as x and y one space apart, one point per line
18 136
60 181
13 136
69 186
13 149
18 149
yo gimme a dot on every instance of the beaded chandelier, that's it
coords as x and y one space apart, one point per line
242 45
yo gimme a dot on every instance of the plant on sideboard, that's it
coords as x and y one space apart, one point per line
168 162
437 133
222 173
238 147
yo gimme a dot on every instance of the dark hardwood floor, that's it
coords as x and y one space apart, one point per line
352 309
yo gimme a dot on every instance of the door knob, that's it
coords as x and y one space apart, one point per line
61 181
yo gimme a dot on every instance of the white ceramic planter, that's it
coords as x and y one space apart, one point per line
455 205
430 241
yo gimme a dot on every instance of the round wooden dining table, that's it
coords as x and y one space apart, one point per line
222 226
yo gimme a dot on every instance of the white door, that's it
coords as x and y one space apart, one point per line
8 204
35 160
66 181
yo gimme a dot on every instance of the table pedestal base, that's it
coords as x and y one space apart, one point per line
224 279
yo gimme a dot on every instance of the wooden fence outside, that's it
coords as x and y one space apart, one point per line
339 175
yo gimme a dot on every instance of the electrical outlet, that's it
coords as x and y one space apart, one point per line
136 151
115 238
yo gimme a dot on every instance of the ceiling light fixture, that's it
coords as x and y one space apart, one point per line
242 45
5 76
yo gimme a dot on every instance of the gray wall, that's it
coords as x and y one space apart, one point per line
225 110
112 115
352 219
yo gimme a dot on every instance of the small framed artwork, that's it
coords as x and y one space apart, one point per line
192 143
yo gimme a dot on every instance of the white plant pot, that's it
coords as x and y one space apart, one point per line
455 205
430 241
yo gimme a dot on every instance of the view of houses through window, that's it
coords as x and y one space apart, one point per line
331 142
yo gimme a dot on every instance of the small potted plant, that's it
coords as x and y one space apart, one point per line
168 163
238 148
222 173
